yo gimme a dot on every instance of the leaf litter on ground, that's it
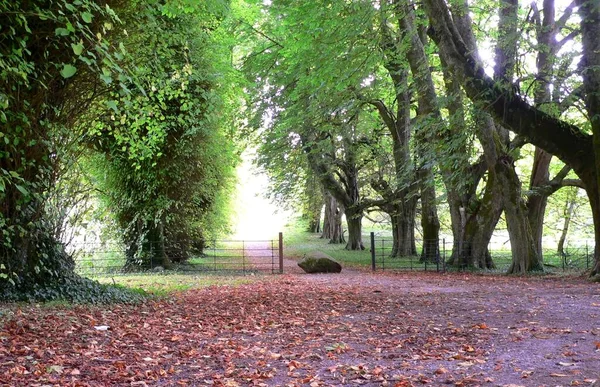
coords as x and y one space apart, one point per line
421 329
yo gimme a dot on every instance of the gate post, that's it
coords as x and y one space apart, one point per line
280 253
372 250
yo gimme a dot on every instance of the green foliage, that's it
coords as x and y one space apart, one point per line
73 289
47 46
141 88
168 163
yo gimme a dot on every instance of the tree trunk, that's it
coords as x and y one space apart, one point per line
354 220
338 230
313 205
546 33
537 201
401 207
525 257
147 246
332 223
314 221
590 28
405 232
479 229
430 222
400 196
428 114
568 214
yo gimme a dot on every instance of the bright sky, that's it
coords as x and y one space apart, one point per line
256 218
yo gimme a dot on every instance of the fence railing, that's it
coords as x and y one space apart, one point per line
216 256
573 258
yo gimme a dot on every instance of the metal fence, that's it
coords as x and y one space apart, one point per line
217 256
573 258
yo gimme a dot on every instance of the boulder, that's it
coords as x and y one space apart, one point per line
318 262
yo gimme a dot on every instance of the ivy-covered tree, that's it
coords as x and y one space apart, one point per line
167 160
52 54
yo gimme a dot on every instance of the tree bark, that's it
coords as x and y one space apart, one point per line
354 221
332 223
401 206
313 206
400 197
546 27
430 222
567 215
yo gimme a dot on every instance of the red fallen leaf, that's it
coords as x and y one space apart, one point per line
481 326
293 364
597 344
441 371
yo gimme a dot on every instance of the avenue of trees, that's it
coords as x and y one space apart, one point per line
401 107
478 113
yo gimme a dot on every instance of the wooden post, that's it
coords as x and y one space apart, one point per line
280 253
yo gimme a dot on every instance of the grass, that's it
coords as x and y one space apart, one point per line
162 285
298 242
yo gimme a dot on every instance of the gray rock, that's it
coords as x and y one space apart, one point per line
318 262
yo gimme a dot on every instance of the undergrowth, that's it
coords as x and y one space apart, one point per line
73 289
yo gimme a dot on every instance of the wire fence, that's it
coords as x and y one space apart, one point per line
217 256
383 257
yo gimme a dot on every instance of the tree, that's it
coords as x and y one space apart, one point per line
52 54
166 157
557 137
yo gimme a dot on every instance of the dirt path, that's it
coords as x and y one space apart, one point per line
349 329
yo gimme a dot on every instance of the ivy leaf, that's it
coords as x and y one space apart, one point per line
77 48
113 105
106 78
61 32
87 17
22 189
68 71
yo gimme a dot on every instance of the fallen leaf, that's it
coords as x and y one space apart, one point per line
565 364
